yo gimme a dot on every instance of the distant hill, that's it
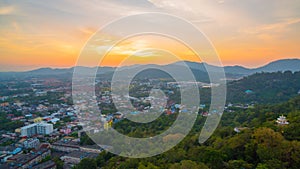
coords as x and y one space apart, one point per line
48 71
238 70
281 65
199 70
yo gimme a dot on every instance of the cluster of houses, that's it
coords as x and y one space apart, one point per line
71 152
44 122
18 159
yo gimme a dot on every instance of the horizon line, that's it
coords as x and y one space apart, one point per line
70 67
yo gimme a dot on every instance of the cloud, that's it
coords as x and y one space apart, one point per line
125 48
274 27
87 30
145 53
7 10
280 25
137 3
202 20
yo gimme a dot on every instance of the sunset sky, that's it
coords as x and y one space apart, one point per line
250 33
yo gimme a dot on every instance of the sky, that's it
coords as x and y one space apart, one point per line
250 33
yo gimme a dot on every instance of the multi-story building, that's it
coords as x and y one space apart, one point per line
31 143
44 128
29 130
37 128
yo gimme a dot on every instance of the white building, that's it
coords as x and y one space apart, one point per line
44 128
282 120
28 130
31 143
37 128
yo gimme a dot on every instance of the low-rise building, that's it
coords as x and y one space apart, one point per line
46 165
31 143
23 161
91 149
10 150
76 156
4 157
65 146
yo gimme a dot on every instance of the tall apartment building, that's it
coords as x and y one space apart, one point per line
36 128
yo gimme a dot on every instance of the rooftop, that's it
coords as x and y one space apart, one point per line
47 164
81 154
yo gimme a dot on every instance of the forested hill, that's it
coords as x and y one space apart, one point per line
264 88
261 143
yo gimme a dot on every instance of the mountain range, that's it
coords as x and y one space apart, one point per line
198 69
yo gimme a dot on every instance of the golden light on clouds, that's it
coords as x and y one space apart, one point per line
6 10
146 49
51 34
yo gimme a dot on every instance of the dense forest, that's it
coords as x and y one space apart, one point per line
260 88
264 88
261 144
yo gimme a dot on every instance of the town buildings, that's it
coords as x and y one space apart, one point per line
23 161
31 143
36 128
76 156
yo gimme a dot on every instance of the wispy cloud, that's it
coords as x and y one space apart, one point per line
127 48
88 31
136 3
274 27
179 8
7 10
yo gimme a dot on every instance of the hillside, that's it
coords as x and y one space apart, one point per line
261 143
280 65
264 88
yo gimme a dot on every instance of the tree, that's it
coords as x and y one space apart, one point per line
188 164
87 163
238 164
268 143
262 166
86 140
147 166
58 162
129 163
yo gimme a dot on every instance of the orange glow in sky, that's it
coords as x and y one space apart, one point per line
51 34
